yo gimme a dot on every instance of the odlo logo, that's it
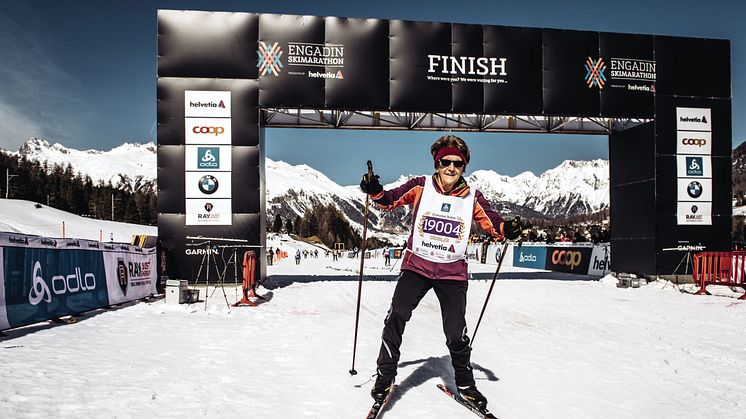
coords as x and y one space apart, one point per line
208 158
694 166
527 258
567 258
61 284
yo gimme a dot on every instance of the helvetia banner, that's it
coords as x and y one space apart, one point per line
42 279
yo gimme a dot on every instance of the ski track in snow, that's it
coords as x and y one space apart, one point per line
545 349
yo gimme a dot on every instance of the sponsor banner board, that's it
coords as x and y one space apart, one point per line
530 257
207 103
693 119
600 263
698 190
568 259
207 131
208 185
129 276
3 313
691 166
694 213
694 142
208 157
41 284
208 212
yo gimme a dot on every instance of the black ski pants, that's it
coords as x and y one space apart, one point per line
410 289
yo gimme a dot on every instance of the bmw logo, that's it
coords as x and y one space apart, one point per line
694 189
208 184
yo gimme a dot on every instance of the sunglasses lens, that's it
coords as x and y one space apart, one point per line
456 163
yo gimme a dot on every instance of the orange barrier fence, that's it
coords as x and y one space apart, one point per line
249 284
720 268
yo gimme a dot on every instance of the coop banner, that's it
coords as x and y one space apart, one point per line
43 278
130 276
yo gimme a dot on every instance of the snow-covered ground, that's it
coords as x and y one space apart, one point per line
546 349
19 216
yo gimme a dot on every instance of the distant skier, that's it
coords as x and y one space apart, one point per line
444 208
297 257
386 256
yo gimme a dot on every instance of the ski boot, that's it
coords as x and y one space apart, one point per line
473 397
381 388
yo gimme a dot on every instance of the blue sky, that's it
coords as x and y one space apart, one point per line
83 73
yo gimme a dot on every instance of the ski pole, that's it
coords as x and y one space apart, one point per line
494 278
362 264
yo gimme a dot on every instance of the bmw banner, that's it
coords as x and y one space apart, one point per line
4 324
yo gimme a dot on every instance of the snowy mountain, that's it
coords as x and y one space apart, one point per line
573 187
129 164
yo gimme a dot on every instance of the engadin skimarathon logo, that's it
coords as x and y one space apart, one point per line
633 70
61 284
466 69
208 184
316 55
208 158
595 73
270 58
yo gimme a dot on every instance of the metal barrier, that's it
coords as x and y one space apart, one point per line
720 268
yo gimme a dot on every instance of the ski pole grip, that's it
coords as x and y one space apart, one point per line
370 169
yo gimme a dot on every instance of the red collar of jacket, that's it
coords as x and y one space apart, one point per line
461 188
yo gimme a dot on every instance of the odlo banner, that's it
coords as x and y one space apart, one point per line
41 284
569 259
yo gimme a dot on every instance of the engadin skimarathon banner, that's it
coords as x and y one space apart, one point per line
44 278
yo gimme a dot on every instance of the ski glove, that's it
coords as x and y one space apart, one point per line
370 186
513 229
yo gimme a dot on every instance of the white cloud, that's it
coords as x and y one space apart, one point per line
36 95
16 127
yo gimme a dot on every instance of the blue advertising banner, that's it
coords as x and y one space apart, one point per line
530 256
41 283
